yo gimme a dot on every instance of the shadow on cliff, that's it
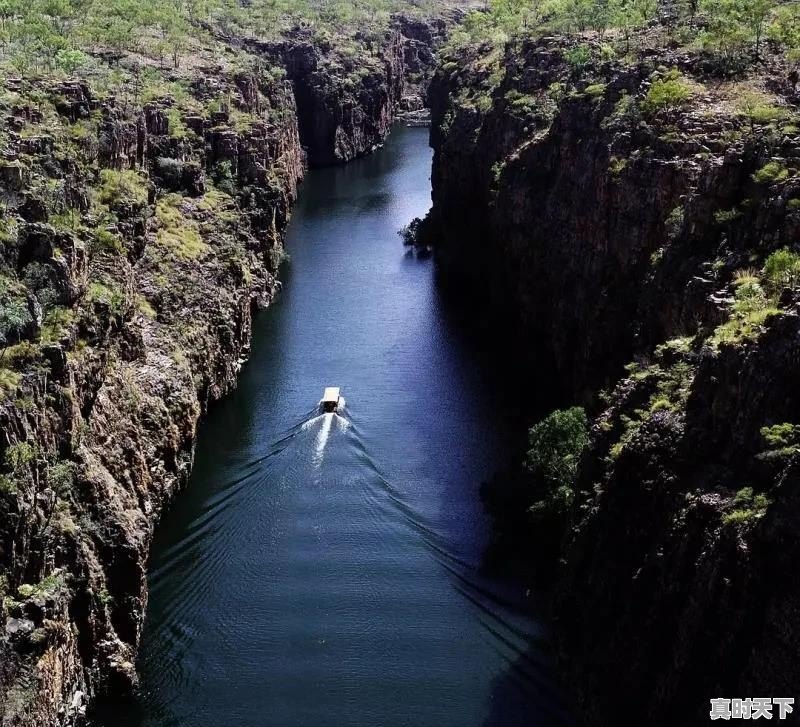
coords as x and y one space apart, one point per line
527 693
494 334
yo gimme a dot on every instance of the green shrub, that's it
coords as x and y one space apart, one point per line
748 507
670 92
744 327
752 307
483 102
15 313
56 324
19 455
520 101
108 295
104 241
607 52
749 296
177 233
781 436
758 109
674 222
723 217
596 90
145 307
782 269
9 382
46 586
626 111
22 354
616 166
771 173
61 477
122 188
222 175
177 129
660 404
69 219
8 485
70 60
739 516
578 56
9 228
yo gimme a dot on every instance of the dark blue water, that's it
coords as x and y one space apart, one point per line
326 570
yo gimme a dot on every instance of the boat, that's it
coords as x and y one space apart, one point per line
330 399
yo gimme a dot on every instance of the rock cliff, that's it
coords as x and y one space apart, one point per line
143 272
634 223
349 93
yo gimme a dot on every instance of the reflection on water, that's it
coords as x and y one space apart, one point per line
325 569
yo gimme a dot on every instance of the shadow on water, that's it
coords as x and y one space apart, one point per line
328 570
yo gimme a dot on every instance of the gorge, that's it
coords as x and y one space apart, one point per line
141 229
335 563
616 208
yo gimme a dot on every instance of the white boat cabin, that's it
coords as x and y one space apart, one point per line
330 399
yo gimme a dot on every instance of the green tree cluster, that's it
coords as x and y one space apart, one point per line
44 36
734 30
555 446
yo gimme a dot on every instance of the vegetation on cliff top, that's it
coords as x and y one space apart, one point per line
71 36
731 29
731 36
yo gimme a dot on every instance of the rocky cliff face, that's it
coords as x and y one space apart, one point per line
349 93
141 273
613 212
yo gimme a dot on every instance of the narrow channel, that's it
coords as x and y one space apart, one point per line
327 570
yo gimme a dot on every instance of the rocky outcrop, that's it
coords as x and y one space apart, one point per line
349 94
146 272
690 587
630 243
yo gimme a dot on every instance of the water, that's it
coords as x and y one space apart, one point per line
325 570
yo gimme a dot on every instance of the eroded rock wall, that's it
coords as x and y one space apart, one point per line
153 321
615 239
349 94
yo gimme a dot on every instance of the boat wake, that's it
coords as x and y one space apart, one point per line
322 438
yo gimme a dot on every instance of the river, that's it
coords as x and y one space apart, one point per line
326 571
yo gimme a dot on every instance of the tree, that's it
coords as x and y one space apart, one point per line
15 314
510 13
735 24
9 10
556 445
754 15
630 14
785 29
